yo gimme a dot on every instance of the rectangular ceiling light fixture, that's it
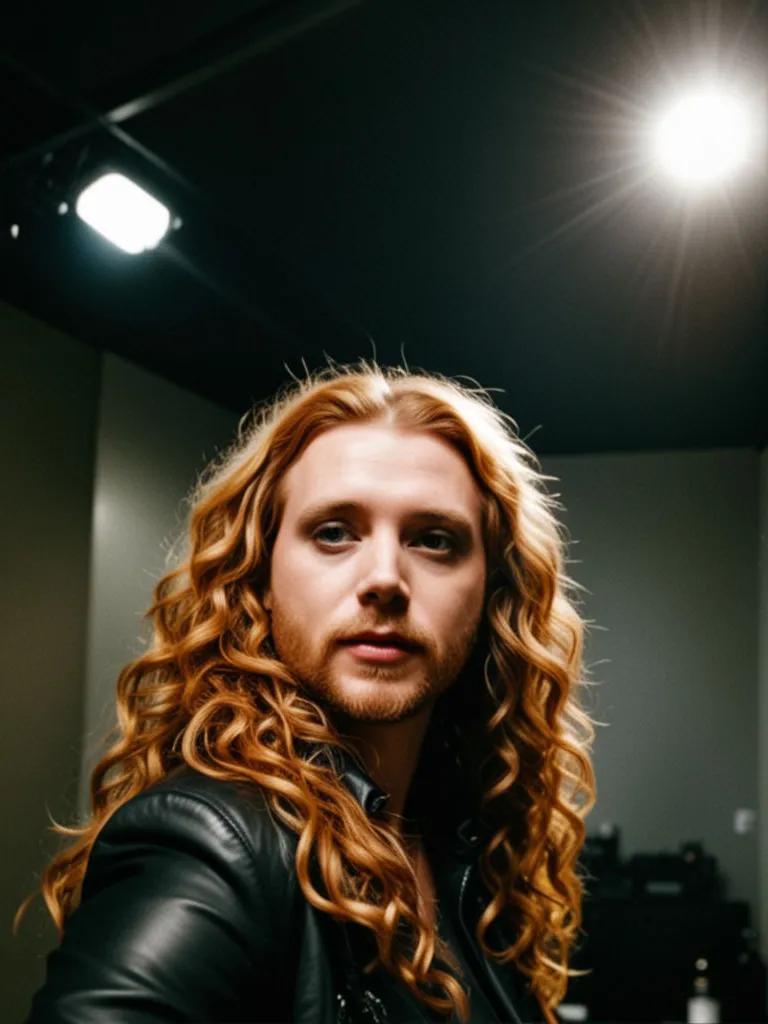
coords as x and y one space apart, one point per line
123 213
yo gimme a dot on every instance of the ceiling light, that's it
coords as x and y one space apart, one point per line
704 137
123 213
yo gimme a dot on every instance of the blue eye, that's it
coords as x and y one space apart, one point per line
325 529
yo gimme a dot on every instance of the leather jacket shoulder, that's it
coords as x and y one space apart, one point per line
188 912
191 911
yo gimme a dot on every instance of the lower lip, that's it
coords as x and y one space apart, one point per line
376 652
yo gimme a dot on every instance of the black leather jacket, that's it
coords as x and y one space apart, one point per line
191 911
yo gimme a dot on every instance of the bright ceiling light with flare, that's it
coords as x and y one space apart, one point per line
123 213
704 137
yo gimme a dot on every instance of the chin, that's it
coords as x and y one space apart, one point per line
377 700
376 714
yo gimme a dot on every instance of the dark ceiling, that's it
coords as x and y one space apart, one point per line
460 186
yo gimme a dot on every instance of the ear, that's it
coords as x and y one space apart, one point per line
267 600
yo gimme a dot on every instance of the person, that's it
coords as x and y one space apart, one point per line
351 770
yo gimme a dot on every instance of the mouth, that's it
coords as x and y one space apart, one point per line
378 652
375 650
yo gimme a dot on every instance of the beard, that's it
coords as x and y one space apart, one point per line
356 690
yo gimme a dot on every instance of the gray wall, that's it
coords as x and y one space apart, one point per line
97 457
667 546
50 387
154 438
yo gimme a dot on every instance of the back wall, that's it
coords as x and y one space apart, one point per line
667 546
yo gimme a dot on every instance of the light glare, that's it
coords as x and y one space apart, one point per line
703 138
123 213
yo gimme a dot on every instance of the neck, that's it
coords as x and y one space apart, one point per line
389 752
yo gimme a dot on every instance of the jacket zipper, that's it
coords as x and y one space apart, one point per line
462 889
364 1001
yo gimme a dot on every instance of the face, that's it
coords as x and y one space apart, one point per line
380 562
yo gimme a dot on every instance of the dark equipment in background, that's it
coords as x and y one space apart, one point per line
647 922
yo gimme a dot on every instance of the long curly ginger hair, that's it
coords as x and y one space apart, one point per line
210 691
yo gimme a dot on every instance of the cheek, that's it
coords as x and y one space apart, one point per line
470 588
290 576
304 592
450 605
468 603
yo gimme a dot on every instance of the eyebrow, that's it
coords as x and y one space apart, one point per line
322 509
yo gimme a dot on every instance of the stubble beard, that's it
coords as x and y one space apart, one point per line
387 698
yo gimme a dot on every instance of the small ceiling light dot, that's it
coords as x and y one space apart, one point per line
14 230
63 207
123 213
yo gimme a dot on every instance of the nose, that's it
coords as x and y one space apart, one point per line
382 577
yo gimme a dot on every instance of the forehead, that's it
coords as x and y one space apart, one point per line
388 467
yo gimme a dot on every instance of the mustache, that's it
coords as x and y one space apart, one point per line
406 634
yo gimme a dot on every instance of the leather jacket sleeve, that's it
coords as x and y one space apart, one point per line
183 917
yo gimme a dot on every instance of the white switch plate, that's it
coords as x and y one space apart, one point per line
744 819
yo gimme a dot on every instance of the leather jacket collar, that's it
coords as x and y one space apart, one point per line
461 824
371 797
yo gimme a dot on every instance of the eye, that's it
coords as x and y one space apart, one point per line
327 529
452 545
439 534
